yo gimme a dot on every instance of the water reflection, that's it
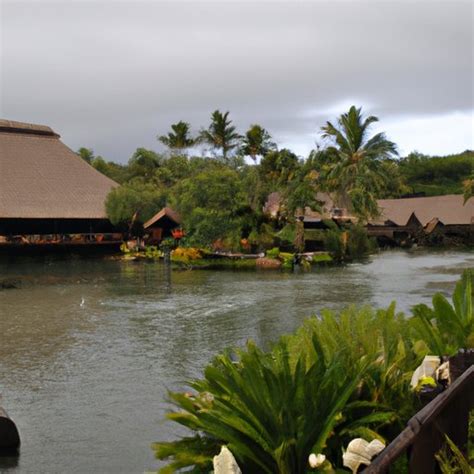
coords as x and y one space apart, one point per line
86 384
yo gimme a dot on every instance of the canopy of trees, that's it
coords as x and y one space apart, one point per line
221 196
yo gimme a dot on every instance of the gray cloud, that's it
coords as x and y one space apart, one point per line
112 75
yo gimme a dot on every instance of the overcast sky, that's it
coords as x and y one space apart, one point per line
111 75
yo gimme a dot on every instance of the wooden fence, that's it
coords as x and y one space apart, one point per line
424 436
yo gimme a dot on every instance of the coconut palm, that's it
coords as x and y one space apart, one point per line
468 188
354 168
221 134
257 142
179 137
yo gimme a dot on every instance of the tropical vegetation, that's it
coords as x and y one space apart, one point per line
220 181
316 389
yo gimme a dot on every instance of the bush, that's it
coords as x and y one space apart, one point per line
273 253
287 235
186 254
321 258
358 243
334 245
288 260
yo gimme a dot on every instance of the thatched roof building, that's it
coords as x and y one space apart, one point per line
44 186
161 224
449 209
434 219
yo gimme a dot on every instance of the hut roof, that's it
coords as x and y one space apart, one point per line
40 177
449 210
165 212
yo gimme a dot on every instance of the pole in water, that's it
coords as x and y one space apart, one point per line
9 436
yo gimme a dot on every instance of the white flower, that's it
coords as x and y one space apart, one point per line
359 451
316 460
225 463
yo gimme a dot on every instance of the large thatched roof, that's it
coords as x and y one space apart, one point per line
449 209
40 177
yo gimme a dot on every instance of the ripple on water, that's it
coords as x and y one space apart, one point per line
87 384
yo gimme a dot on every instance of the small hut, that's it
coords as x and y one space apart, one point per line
161 225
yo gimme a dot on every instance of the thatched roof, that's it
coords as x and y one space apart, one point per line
165 213
40 177
449 210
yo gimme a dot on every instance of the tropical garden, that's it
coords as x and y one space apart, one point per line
220 180
295 407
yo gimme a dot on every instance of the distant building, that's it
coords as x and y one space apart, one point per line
424 219
161 225
46 188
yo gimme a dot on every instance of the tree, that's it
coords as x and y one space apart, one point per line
278 167
144 163
212 204
468 188
87 154
221 134
257 142
115 171
133 203
179 139
354 168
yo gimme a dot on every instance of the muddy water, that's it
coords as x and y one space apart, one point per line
88 348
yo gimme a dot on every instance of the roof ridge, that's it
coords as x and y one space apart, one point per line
11 126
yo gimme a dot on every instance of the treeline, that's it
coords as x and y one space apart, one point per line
221 197
435 175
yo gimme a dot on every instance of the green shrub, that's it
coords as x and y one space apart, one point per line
271 414
334 245
273 253
152 252
288 260
445 328
358 243
287 234
321 258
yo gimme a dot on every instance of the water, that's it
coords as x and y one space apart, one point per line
88 348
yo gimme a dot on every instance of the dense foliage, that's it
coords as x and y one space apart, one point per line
221 194
436 175
314 390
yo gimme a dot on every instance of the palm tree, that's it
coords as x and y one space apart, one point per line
468 188
354 163
257 141
179 138
221 134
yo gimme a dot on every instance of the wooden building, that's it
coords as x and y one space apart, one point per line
47 192
425 220
161 225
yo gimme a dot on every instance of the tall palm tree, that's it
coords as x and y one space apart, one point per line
179 137
354 162
468 188
257 141
221 134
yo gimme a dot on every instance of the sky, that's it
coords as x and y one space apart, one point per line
112 75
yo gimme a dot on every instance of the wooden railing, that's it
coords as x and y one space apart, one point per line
424 436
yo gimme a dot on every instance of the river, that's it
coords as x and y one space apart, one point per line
88 348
